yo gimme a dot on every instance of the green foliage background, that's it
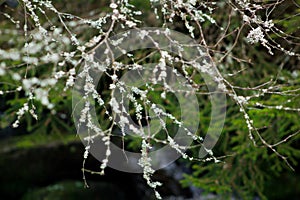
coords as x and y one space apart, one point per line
246 170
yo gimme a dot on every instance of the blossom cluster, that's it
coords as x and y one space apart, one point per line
44 53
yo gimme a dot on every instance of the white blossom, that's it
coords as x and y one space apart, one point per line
2 69
115 105
256 35
113 5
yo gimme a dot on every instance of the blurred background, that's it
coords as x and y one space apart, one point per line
42 159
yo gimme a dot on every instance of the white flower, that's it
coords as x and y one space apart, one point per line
16 76
130 24
54 58
48 82
30 60
32 48
72 71
27 83
113 5
143 33
42 96
86 152
256 35
112 86
59 74
114 105
114 77
246 19
2 69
